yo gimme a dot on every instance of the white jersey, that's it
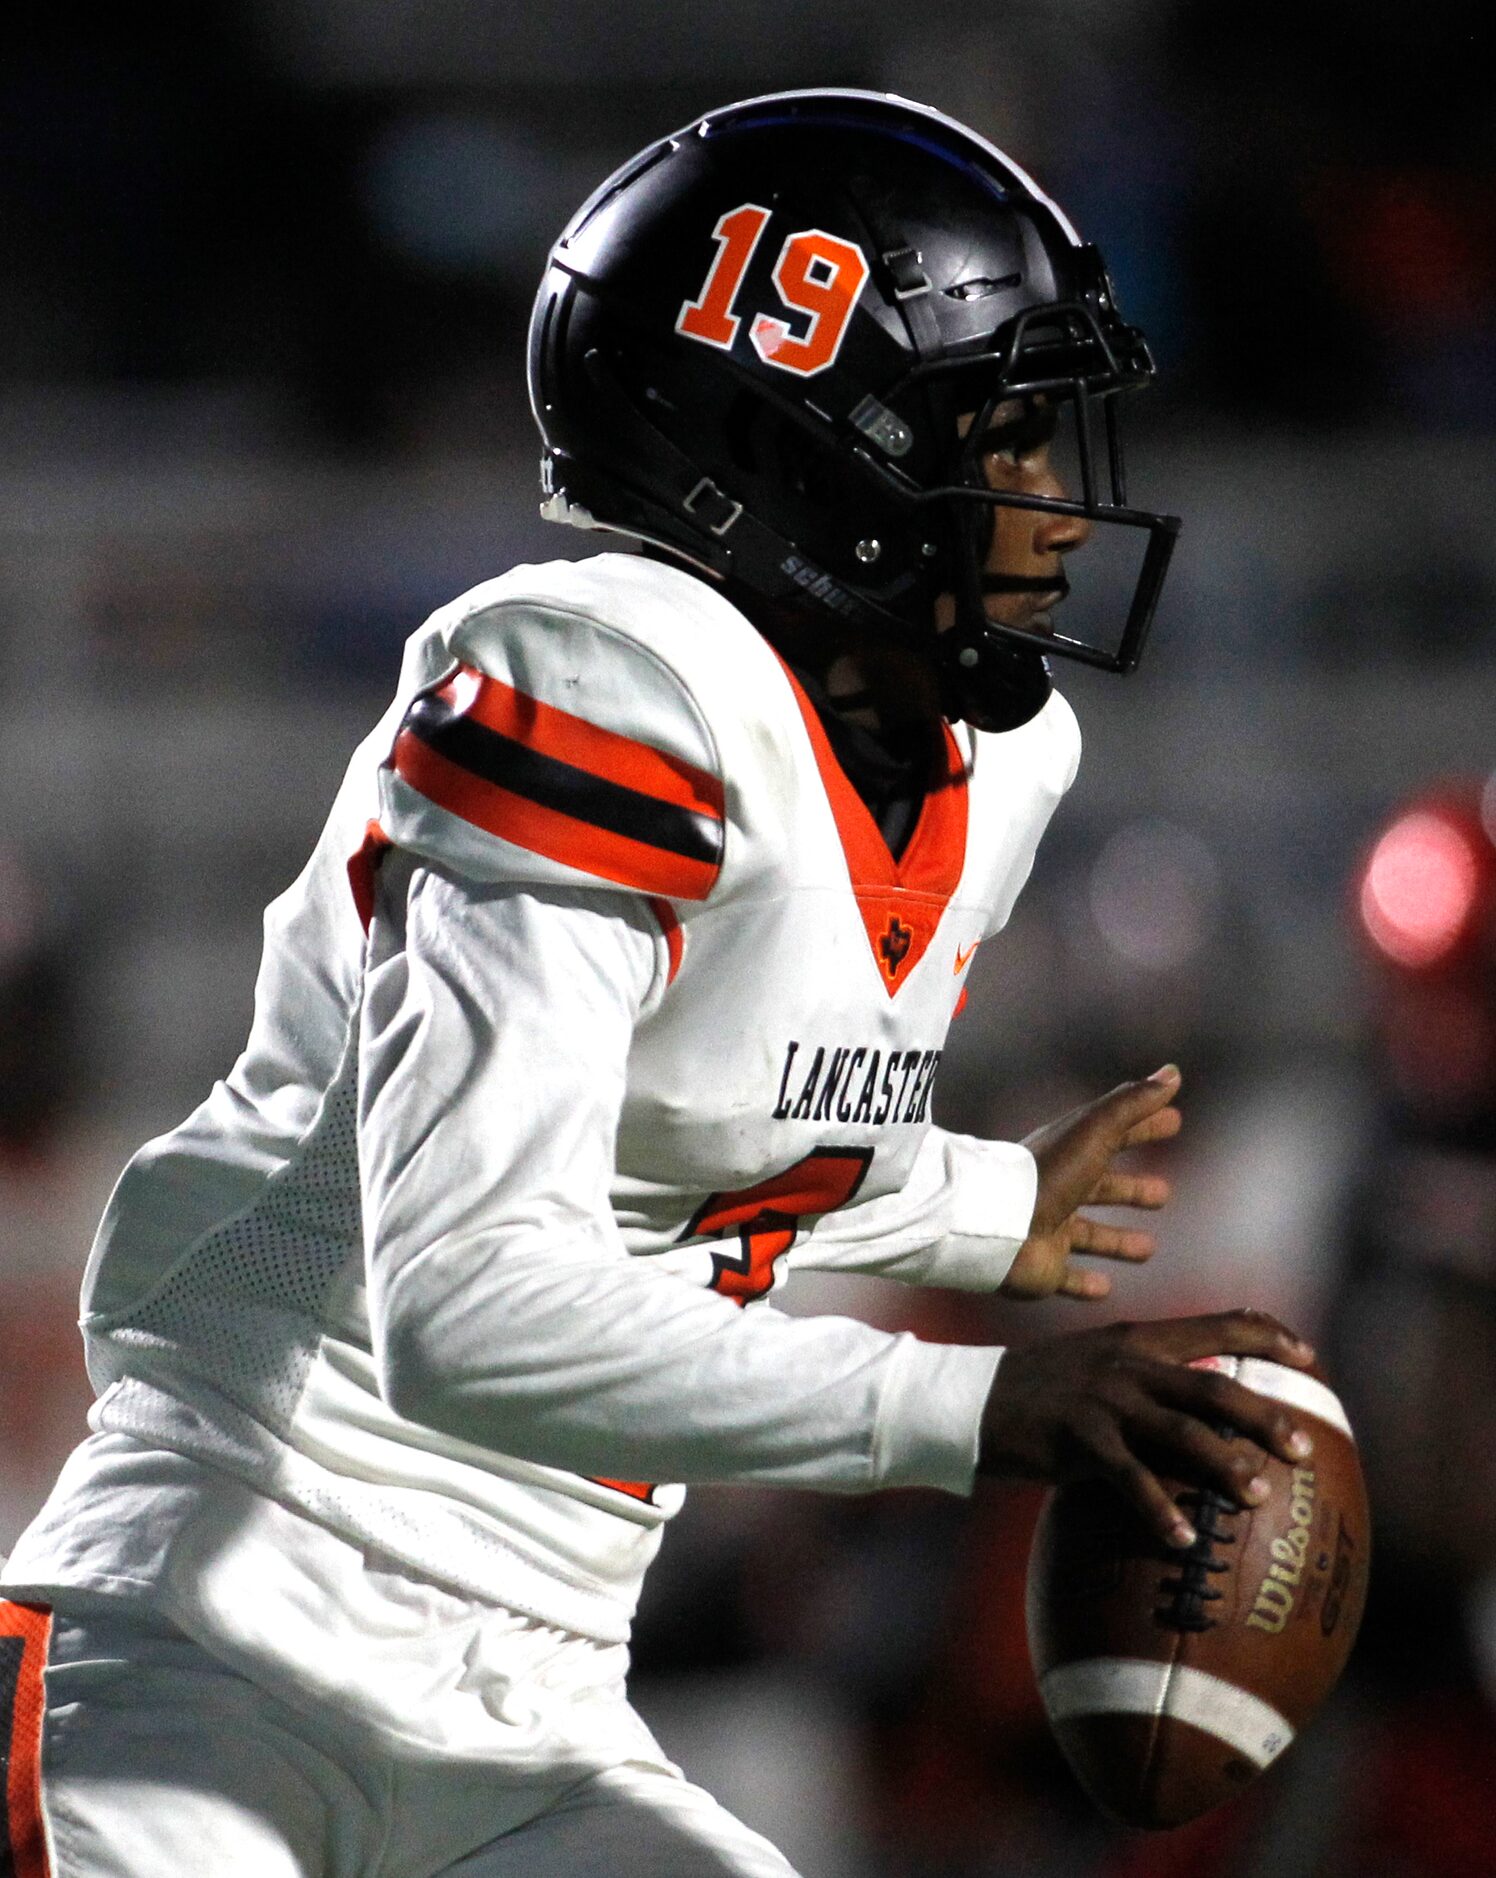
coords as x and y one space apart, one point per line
600 1006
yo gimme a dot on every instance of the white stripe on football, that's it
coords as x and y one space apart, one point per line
1120 1685
1289 1386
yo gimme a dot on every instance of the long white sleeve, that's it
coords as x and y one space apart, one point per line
957 1221
505 1308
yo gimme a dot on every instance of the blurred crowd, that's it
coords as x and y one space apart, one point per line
351 201
261 382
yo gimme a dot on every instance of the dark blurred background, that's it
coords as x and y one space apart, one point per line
268 267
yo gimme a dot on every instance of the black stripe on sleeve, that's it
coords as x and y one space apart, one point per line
562 786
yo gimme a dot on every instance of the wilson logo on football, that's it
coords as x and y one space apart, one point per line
817 274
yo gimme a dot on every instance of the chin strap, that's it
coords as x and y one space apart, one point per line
985 678
988 681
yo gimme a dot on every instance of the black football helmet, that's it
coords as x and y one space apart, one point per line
756 344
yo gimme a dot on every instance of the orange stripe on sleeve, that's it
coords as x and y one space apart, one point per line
675 939
556 733
363 866
550 832
635 1489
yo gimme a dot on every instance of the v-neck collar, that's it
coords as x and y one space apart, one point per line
901 901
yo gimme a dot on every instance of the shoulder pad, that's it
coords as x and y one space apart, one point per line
560 744
1046 748
1057 742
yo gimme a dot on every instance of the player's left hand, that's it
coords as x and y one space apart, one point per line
1075 1156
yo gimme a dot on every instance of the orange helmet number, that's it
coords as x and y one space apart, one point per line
817 274
710 318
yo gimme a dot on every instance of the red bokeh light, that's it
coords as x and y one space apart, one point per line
1419 889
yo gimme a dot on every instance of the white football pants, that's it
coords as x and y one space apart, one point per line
156 1760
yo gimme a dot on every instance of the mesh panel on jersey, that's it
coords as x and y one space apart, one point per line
243 1309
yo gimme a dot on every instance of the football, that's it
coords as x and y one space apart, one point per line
1171 1679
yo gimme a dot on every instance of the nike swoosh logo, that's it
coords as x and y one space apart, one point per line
963 959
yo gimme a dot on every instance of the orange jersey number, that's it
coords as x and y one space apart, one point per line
764 1221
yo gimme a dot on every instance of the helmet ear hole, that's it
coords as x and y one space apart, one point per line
807 469
739 432
760 443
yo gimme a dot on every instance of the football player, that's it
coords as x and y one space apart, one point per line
614 990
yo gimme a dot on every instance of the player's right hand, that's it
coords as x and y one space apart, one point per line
1114 1404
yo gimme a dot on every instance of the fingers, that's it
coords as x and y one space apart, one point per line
1162 1125
1085 1287
1222 1333
1075 1153
1125 1400
1177 1435
1145 1190
1199 1453
1138 1485
1111 1242
1134 1105
1215 1398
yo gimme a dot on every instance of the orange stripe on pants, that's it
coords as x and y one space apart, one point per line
25 1632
